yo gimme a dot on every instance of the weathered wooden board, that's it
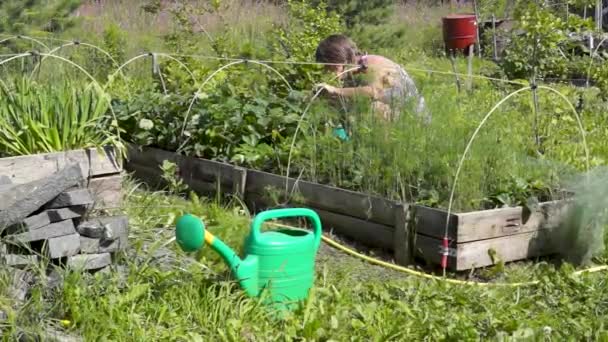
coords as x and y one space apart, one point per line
465 256
24 169
190 168
489 224
107 191
152 176
432 222
403 235
366 232
331 199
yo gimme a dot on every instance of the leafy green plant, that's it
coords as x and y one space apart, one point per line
38 118
297 40
176 185
542 48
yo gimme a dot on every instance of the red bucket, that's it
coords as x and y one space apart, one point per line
459 31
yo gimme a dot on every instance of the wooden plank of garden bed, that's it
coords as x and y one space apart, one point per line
191 168
366 232
24 169
432 221
107 191
152 176
488 224
331 199
465 256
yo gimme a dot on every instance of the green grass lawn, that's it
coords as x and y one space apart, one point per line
157 293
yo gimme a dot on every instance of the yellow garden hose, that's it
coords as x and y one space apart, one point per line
426 275
447 280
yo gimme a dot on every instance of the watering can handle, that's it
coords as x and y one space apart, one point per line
287 212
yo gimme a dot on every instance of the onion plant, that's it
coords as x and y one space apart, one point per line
47 118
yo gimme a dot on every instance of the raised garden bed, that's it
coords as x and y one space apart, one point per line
101 168
407 230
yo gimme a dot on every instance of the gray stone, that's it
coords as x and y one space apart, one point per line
68 213
3 316
89 245
108 229
119 227
89 261
52 334
109 246
36 221
91 229
19 260
5 183
54 280
21 284
51 216
50 231
63 246
22 200
71 198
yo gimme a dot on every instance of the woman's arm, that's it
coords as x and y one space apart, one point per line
350 92
369 91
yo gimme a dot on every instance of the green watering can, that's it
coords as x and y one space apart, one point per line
279 261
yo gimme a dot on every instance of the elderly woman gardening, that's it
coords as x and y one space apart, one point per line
387 84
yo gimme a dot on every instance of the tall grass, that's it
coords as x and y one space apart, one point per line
37 118
157 293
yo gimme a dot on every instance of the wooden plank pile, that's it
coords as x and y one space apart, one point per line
50 217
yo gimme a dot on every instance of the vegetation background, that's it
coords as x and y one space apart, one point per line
528 152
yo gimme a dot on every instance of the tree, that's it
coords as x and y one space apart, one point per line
357 12
35 16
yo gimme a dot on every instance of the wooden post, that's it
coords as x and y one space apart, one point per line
598 15
470 68
477 27
402 238
239 182
494 37
453 62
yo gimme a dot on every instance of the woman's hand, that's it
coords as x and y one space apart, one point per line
326 88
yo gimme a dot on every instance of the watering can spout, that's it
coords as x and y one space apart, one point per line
191 236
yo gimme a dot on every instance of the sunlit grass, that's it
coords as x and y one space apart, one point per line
156 292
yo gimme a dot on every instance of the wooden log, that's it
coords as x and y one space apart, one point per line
328 198
24 169
465 256
106 191
488 224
